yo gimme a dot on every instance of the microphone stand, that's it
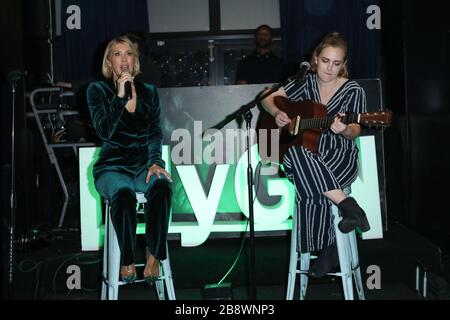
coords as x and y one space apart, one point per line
13 200
245 111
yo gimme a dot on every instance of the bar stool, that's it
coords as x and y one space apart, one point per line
111 262
348 261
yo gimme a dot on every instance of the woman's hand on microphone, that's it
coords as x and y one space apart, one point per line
124 77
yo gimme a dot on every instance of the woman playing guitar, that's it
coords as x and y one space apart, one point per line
319 177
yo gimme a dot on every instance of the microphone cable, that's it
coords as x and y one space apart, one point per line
257 171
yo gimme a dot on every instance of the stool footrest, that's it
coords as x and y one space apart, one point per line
121 283
355 268
337 274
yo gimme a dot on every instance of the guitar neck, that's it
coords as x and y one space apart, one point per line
325 122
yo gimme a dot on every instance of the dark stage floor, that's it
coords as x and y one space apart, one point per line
41 270
323 291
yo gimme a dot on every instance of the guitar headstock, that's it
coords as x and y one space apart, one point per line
376 119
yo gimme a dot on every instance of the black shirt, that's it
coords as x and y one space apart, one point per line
260 68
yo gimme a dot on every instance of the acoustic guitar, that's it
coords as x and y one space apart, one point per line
309 121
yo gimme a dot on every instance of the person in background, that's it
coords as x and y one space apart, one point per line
262 66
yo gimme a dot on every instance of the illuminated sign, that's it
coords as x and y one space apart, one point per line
226 193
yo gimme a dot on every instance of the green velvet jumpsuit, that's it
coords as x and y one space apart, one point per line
131 143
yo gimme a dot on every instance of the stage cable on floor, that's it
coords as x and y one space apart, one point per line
37 265
257 174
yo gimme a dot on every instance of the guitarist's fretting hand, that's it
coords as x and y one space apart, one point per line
350 131
281 119
338 126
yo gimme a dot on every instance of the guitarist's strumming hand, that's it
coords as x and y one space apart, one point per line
281 119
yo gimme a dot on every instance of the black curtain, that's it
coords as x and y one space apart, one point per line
101 20
305 22
416 51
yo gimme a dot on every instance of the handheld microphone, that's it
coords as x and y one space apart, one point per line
302 72
128 92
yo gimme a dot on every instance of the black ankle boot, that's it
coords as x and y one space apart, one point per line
326 261
353 216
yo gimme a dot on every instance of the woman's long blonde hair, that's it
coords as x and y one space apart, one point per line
106 69
335 40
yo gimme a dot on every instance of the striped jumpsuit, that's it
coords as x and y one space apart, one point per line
334 166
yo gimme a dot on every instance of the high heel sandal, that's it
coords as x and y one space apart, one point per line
151 278
130 276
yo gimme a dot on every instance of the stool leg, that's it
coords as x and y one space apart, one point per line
165 279
292 275
105 285
345 267
304 267
355 266
113 261
344 254
168 276
159 284
293 261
